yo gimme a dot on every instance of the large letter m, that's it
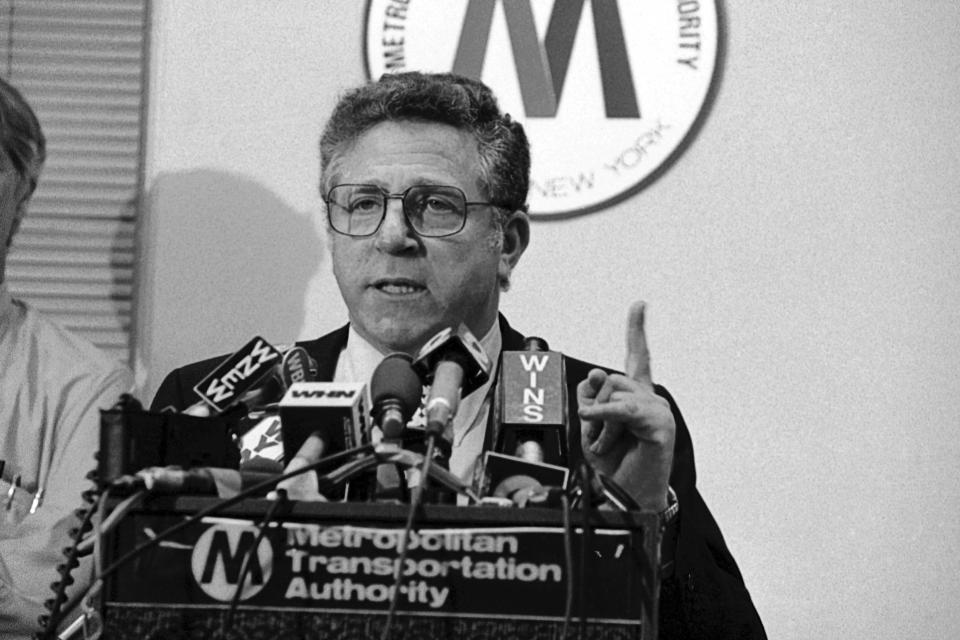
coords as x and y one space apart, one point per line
232 560
542 67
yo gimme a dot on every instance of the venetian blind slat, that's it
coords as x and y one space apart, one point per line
29 290
70 8
28 242
89 307
107 323
40 264
77 228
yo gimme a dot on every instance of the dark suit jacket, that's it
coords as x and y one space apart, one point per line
705 596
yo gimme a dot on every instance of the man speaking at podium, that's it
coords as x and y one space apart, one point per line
425 183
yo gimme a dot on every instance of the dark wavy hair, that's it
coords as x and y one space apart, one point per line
447 98
21 136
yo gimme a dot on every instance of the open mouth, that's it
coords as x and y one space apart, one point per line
398 286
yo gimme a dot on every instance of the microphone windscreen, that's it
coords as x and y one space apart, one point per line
459 345
296 367
395 379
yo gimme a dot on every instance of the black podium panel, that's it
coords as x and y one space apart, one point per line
326 570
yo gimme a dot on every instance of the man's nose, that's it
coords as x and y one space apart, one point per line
395 234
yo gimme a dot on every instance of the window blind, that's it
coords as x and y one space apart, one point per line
82 67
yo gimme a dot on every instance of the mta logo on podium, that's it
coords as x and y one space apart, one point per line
218 557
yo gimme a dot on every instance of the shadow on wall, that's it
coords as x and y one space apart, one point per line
229 260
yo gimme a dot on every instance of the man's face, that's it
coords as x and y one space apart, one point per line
11 196
401 288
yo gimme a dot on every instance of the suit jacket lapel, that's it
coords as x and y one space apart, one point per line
511 340
326 351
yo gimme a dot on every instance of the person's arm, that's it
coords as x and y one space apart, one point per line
628 430
632 431
36 529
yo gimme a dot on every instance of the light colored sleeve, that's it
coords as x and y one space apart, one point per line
33 543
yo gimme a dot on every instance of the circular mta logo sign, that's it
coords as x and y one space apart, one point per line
218 556
607 91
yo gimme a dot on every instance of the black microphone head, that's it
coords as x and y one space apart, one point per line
535 343
395 380
269 390
459 345
297 366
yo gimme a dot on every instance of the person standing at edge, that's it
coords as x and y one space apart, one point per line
52 386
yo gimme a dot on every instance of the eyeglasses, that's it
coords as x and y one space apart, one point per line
432 210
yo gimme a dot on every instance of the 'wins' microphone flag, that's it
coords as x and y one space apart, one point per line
533 407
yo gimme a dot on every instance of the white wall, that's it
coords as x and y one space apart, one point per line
801 263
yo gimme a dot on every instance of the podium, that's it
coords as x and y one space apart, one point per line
326 570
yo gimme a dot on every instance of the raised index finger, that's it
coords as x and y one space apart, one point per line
638 355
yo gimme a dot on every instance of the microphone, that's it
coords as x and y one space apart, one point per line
268 390
259 429
221 482
237 375
454 364
259 375
533 405
318 419
297 366
521 480
395 392
530 448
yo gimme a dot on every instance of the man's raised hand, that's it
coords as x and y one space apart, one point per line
627 430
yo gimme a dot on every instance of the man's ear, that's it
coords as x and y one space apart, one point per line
516 237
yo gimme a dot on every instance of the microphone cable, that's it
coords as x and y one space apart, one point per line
203 513
107 524
93 542
415 501
49 622
249 556
567 564
618 498
585 471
